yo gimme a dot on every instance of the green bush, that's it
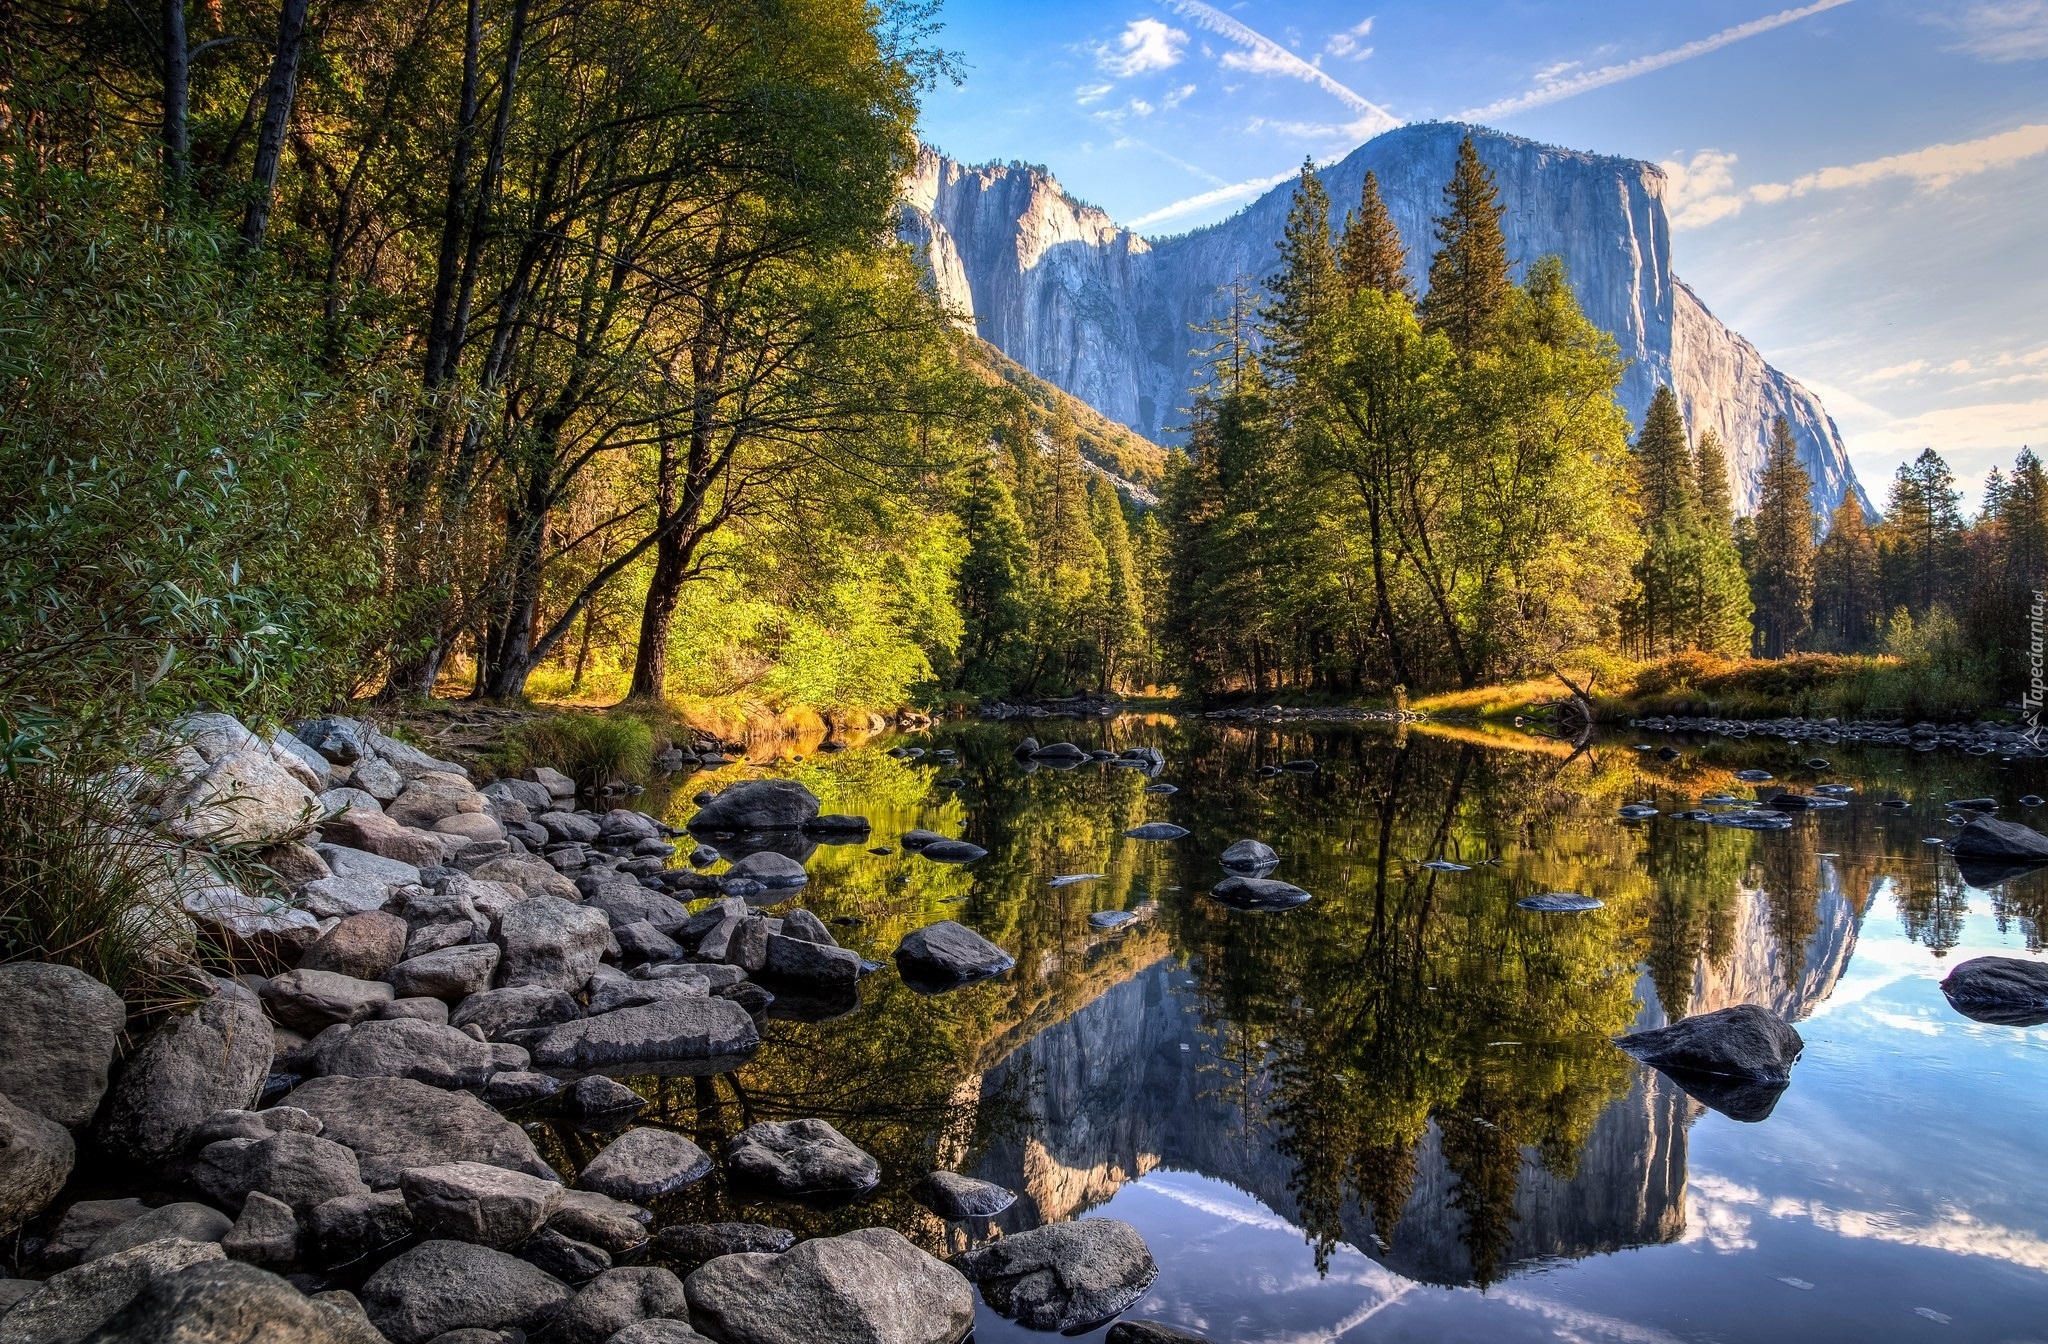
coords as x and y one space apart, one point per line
592 749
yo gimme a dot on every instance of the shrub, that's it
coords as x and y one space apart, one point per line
592 749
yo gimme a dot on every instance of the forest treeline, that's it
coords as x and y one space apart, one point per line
359 346
354 347
1384 490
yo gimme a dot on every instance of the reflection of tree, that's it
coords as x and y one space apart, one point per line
1787 870
1932 901
2023 902
1695 876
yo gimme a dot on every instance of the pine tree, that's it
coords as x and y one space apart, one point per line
1120 617
991 586
1711 463
1781 552
1921 539
1848 602
2024 522
1468 276
1664 462
1371 255
1307 286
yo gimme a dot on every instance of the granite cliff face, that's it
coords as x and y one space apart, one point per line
1107 315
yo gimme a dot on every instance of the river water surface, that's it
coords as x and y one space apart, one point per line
1394 1113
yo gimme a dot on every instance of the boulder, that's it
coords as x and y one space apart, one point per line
951 1195
670 1036
552 942
645 1163
1249 856
1259 893
865 1287
84 1223
267 1233
689 1245
363 946
615 1226
616 1299
565 827
383 835
213 1058
952 851
622 826
306 765
477 1202
244 797
250 924
451 974
216 1302
640 943
2004 991
427 801
627 902
757 805
395 1123
1156 830
440 1286
1988 851
59 1028
361 865
410 761
603 1103
947 955
342 741
70 1307
184 1220
1737 1060
497 1012
377 778
609 993
36 1154
334 802
801 923
566 1258
657 1332
1063 1276
1058 751
435 1054
312 1001
770 869
801 1157
532 876
517 1088
301 1170
236 1123
559 786
349 1228
839 824
419 1010
810 965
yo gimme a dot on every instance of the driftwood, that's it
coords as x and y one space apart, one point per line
1573 714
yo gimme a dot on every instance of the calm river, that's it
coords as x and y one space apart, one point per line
1394 1113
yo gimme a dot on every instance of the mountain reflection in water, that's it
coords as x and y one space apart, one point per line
1409 1067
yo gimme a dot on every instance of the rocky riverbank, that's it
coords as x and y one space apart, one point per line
1975 739
437 962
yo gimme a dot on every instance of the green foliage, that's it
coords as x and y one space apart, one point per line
1468 276
1373 256
1690 589
592 749
1780 561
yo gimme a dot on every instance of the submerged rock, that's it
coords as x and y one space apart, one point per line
1149 1332
1249 856
1737 1060
951 1195
865 1287
1063 1276
1259 893
805 1158
757 805
2005 991
947 955
1560 903
1156 830
951 851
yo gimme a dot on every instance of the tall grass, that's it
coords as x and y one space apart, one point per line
82 886
592 749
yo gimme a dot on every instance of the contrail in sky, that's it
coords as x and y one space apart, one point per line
1269 57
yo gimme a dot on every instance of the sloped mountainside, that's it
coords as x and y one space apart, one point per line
1062 289
1134 464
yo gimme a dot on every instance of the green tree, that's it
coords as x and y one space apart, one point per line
992 591
1848 596
1921 539
1690 589
1371 255
1468 276
1716 504
1781 550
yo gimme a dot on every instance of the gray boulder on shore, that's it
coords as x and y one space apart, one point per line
211 1059
865 1287
1065 1275
59 1029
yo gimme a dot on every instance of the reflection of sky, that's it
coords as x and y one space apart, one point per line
1896 1193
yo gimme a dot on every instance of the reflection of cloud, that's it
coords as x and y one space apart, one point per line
1550 91
1702 190
1715 1214
1144 44
1954 1231
1574 1323
2011 30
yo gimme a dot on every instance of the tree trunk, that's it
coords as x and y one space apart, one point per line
177 137
277 112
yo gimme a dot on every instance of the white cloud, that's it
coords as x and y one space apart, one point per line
1092 93
2012 30
1702 189
1176 97
1144 45
1236 191
1550 91
1350 44
1260 54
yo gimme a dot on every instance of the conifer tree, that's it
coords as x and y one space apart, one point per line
991 594
1664 461
1307 286
1120 616
1921 539
1468 276
1690 589
1781 552
1371 255
1848 603
1711 463
2024 522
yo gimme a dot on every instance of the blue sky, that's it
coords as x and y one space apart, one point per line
1858 186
